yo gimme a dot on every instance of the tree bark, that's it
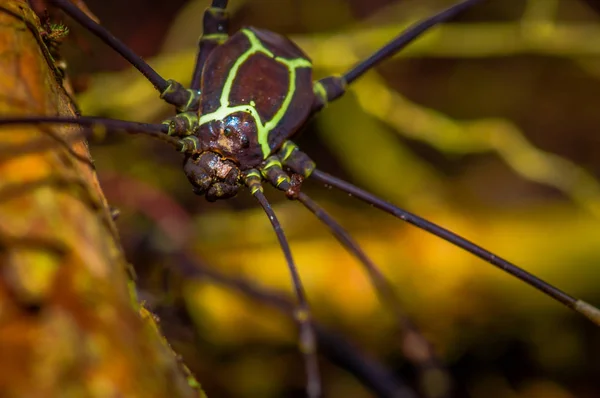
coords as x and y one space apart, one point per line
69 322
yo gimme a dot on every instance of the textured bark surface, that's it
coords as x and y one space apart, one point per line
68 327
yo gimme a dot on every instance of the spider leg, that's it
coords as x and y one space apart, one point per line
272 171
332 87
340 352
296 160
302 312
157 131
171 91
301 164
416 347
214 33
577 305
291 156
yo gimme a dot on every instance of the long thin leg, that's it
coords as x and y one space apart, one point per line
103 34
417 343
580 306
302 311
153 130
405 38
340 352
171 91
214 33
333 87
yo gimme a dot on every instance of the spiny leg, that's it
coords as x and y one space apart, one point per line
302 311
171 91
414 342
214 33
577 305
333 87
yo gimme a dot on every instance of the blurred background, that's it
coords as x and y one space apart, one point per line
487 126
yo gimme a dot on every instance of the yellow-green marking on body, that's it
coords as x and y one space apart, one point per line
225 109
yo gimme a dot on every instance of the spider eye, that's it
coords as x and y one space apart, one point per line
227 131
245 141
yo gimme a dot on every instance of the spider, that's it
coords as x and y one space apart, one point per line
250 93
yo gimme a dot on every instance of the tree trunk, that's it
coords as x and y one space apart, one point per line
69 324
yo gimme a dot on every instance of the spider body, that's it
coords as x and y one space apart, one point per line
256 92
263 75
